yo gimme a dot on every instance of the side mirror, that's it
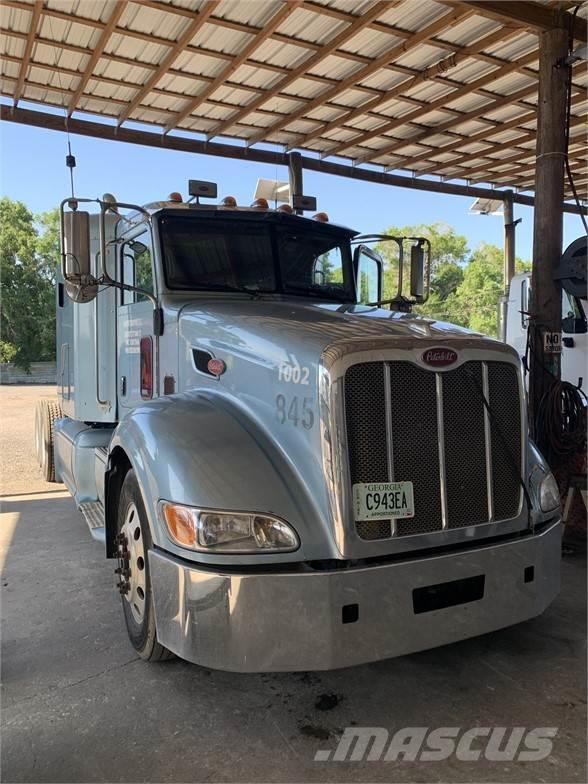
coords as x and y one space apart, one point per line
417 271
80 284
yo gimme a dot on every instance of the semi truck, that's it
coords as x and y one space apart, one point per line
287 471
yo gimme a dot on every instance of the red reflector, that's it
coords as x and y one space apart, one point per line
216 367
146 367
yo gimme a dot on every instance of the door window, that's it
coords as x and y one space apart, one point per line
137 268
573 318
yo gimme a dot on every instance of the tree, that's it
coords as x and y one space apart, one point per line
465 288
448 254
28 258
477 296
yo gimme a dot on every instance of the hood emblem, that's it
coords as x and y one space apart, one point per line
438 356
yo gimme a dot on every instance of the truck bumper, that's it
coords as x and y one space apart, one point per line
286 621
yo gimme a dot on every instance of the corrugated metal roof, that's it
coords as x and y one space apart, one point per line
433 87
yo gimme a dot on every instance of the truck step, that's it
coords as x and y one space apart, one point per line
93 513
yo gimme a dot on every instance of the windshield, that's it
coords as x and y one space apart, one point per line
221 254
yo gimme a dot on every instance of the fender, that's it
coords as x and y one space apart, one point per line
201 449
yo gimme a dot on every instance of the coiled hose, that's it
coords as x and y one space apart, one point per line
560 418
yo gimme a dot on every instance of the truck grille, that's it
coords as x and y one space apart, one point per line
405 423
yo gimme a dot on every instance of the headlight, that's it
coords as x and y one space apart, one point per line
548 493
227 532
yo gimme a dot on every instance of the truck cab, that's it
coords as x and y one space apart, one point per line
574 324
288 474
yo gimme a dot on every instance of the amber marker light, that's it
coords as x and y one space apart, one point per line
181 523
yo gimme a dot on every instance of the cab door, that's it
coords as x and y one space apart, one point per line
574 358
136 341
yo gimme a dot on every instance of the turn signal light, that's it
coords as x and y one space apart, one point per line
175 196
229 201
260 204
322 217
285 208
181 523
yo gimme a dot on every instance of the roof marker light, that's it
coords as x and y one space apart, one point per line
322 217
175 196
285 208
260 204
229 201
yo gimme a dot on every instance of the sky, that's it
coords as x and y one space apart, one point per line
32 170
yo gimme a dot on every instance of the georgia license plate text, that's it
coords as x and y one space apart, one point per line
383 500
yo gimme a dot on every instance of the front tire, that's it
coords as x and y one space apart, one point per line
134 543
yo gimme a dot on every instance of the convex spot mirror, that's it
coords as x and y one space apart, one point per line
80 284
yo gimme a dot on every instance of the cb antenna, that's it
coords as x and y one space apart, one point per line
70 162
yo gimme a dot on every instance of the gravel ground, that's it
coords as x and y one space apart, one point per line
17 449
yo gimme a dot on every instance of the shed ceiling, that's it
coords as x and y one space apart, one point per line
443 89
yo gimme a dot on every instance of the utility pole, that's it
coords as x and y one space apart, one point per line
509 240
548 217
295 177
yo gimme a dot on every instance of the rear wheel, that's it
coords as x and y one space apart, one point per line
46 413
134 543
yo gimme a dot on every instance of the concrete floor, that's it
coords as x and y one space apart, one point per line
80 707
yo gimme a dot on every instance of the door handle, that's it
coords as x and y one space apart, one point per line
568 342
123 386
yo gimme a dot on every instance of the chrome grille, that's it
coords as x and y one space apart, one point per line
405 423
507 419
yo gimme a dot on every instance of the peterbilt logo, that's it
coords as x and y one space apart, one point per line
439 357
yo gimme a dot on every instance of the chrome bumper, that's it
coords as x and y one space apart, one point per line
294 621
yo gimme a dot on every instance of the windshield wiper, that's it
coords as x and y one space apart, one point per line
302 291
253 293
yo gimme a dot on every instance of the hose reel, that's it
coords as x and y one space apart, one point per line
572 269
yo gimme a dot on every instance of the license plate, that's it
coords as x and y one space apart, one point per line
383 500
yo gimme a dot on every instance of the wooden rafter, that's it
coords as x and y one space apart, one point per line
175 51
398 144
539 16
432 72
330 47
35 10
116 14
269 28
483 137
389 56
466 89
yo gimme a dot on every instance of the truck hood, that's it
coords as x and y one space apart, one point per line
270 326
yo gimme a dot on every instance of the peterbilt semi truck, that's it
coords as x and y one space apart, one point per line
288 472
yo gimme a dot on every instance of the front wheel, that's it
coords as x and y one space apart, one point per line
133 544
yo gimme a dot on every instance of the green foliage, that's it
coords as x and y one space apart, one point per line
465 287
7 351
29 253
448 251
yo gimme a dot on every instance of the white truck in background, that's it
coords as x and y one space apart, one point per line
574 358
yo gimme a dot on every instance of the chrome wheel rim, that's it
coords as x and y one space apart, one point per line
137 591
